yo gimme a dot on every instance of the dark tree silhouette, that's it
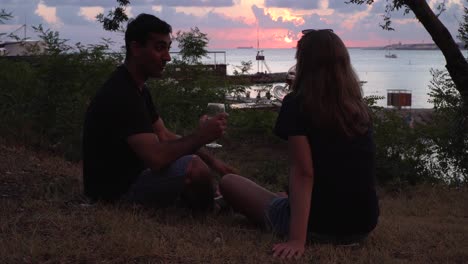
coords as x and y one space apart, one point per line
115 18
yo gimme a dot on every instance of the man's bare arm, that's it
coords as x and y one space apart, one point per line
165 134
158 153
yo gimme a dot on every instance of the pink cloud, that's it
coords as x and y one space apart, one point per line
234 37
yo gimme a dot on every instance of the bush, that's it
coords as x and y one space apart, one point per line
183 97
450 139
436 151
401 151
43 98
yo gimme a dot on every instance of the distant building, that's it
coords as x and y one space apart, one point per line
22 48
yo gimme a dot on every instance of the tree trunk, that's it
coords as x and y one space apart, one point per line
457 65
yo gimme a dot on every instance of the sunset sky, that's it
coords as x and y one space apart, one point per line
232 23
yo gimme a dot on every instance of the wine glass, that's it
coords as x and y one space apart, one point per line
212 110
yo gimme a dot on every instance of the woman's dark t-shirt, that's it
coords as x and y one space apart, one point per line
344 200
118 111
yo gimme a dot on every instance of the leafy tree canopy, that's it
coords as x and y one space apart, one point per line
192 45
115 18
463 30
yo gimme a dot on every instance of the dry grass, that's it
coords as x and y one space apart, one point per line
43 221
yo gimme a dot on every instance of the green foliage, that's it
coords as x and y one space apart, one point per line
183 100
54 44
428 152
192 45
253 122
463 30
401 152
43 98
447 131
371 100
441 145
115 18
443 93
4 15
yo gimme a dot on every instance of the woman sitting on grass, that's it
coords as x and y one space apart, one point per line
326 122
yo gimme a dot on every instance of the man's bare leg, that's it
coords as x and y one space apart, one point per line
199 185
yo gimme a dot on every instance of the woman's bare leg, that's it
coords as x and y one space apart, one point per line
245 196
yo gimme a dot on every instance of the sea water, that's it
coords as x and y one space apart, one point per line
409 71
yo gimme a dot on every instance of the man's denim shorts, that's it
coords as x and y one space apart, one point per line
160 188
277 219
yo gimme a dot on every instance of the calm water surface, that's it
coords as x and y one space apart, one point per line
410 71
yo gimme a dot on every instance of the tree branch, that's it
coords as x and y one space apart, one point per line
4 15
114 19
457 65
441 8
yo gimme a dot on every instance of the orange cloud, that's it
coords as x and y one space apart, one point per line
234 37
285 14
49 14
90 13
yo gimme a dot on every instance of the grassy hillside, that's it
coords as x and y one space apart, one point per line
43 220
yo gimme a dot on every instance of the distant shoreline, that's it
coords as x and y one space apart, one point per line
399 46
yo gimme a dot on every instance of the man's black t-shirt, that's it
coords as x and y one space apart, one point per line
344 200
118 111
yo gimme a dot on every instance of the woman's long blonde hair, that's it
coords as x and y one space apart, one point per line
327 86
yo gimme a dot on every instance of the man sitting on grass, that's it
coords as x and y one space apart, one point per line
128 153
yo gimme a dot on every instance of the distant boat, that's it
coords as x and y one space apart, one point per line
245 47
390 55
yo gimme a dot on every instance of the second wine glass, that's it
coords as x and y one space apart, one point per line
211 110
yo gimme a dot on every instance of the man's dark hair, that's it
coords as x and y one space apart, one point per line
138 29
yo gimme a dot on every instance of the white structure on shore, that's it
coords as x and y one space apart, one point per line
22 48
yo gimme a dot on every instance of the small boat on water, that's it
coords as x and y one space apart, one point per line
390 55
